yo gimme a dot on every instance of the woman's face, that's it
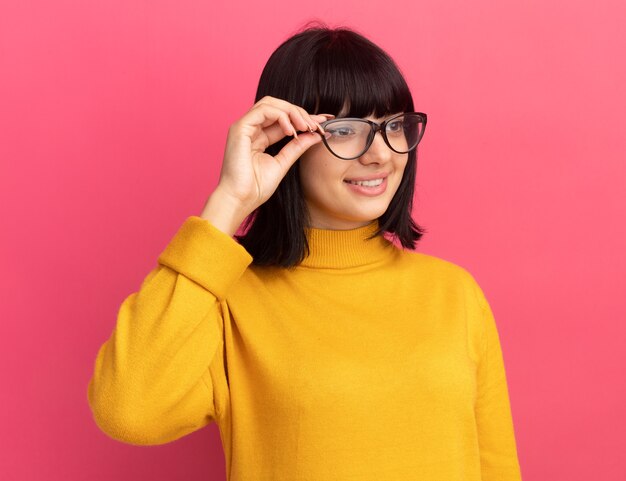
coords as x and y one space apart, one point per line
333 202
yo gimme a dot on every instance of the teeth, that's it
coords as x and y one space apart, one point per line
367 183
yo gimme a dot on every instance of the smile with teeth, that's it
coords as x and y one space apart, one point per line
366 183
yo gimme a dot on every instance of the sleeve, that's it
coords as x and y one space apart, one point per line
496 435
151 382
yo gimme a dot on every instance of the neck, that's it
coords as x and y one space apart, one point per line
337 249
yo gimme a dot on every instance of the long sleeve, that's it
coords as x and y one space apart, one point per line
496 436
152 379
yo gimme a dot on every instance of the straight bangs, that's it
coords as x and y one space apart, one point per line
354 78
336 72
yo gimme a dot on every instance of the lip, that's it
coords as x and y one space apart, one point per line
368 191
381 175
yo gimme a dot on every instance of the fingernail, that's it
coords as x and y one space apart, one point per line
328 115
295 134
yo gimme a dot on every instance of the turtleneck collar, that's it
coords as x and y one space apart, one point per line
337 249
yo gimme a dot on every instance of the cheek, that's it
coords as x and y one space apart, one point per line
401 167
402 162
318 174
310 179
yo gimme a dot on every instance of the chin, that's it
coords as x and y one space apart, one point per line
368 216
378 209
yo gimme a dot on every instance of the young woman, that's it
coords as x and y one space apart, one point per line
322 350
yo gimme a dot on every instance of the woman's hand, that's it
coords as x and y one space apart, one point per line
249 176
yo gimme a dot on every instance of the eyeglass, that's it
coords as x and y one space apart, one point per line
349 138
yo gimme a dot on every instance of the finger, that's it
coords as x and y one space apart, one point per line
296 114
264 116
310 124
268 136
294 149
318 120
275 131
297 117
322 117
312 120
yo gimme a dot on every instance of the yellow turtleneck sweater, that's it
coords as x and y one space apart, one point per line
365 362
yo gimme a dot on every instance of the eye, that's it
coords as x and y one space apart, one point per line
343 131
395 126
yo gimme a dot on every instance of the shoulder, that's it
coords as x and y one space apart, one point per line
429 263
454 285
442 274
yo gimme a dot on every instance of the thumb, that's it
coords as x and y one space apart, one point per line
296 147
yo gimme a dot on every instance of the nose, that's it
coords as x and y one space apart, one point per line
379 152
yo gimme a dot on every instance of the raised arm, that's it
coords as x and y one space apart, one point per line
152 381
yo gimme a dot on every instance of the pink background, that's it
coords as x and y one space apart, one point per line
113 117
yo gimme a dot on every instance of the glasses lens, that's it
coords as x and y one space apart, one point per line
404 132
347 138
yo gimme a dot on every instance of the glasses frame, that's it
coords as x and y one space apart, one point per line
375 127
